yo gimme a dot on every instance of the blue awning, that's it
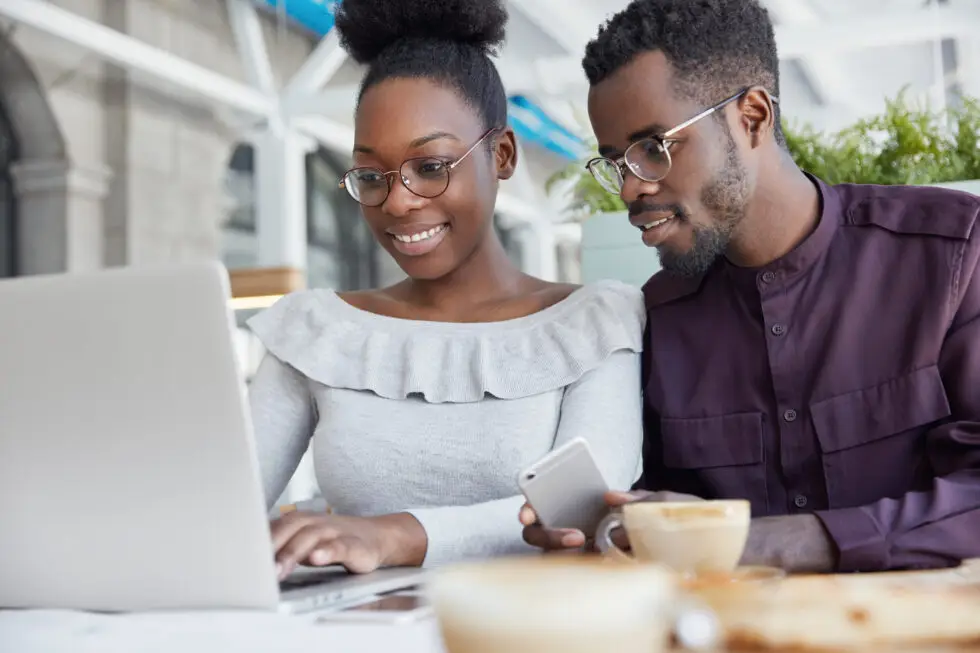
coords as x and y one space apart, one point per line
532 123
314 15
529 121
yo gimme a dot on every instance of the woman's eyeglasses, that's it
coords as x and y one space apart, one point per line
425 176
649 158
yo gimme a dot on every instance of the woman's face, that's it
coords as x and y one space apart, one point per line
401 119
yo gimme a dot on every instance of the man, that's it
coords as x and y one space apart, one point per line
813 349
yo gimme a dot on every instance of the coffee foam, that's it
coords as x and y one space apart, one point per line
538 595
701 514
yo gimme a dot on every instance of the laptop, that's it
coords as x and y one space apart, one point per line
128 474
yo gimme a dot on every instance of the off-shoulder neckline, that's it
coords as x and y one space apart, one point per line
546 314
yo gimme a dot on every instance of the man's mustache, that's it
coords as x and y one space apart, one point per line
645 206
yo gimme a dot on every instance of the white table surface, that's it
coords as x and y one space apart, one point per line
56 631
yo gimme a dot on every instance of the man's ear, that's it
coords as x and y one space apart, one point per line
757 115
505 153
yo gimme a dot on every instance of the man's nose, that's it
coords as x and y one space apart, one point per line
634 188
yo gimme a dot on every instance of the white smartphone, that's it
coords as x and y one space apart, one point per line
566 488
395 608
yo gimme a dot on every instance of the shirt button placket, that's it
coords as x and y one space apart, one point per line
782 366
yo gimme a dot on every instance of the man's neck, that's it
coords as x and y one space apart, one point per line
784 210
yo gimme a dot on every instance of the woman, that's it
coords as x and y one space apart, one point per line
424 400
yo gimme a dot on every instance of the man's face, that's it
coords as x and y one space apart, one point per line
690 214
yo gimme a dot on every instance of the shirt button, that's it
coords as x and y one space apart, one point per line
778 329
789 415
768 277
800 501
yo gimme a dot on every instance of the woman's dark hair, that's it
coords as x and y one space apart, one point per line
447 41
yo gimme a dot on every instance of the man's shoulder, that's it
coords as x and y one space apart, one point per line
925 211
664 287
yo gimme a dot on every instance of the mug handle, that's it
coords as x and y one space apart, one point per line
603 538
692 621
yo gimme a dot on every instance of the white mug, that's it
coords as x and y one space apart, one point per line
690 537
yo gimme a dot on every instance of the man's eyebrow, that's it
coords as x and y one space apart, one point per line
607 151
648 131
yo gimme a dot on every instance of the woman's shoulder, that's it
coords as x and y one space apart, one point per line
343 341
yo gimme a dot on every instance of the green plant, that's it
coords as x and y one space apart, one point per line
907 144
585 196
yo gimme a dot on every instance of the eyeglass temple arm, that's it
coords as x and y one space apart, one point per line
470 151
711 110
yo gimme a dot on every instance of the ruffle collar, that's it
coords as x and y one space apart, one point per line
333 343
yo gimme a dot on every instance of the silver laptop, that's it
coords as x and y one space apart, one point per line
128 474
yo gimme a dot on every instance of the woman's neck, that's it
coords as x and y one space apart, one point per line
488 276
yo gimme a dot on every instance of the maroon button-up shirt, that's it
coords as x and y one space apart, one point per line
841 380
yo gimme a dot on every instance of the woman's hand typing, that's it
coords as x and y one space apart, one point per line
361 544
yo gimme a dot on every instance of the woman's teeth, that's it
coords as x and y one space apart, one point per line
422 235
656 223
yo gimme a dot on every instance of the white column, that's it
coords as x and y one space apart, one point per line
60 215
280 202
539 250
280 197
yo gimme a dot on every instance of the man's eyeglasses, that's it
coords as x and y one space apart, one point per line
425 176
649 158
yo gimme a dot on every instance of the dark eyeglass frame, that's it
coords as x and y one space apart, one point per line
450 164
664 141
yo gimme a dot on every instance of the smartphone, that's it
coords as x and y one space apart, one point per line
394 608
566 488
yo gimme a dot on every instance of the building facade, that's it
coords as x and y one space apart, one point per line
100 166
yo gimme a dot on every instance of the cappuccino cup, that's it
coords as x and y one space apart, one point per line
553 604
689 537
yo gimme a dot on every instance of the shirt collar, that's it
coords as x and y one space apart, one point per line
664 287
808 252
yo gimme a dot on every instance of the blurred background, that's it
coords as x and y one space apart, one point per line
138 132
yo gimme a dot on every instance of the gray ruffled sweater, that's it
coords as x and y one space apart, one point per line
437 419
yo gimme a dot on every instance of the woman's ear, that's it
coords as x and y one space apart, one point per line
505 153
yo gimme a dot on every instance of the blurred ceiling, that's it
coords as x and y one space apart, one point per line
840 60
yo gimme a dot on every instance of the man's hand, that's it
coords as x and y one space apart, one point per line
560 539
361 544
796 543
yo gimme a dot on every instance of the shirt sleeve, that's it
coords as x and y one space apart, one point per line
282 423
939 526
603 407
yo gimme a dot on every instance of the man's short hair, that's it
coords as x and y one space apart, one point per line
715 47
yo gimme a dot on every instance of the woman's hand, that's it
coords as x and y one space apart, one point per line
361 544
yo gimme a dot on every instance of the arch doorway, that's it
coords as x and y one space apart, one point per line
30 138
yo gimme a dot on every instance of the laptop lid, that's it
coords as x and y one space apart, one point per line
128 477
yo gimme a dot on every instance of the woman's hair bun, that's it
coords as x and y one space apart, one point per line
368 27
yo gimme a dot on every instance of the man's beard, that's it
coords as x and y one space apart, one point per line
725 197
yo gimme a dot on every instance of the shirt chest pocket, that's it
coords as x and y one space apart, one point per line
717 457
873 440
